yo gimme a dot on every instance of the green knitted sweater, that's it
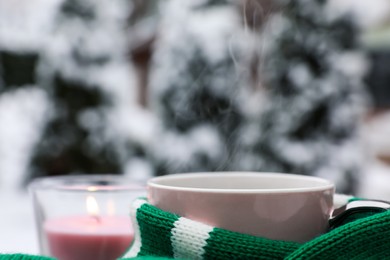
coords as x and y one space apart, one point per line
162 235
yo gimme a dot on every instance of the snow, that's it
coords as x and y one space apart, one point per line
376 182
369 12
184 24
21 115
203 139
31 32
377 134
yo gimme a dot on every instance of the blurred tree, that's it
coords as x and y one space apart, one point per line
20 115
196 84
199 86
17 69
379 77
67 144
314 101
309 116
86 71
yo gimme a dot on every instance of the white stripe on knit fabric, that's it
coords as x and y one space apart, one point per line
136 246
188 238
340 200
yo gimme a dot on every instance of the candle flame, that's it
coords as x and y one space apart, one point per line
92 206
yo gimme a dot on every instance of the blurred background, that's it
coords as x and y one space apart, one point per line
146 88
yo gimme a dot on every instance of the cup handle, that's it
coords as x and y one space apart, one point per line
355 210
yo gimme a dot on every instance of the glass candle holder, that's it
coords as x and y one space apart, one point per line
85 217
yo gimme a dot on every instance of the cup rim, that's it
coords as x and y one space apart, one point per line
324 183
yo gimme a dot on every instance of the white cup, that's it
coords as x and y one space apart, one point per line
276 206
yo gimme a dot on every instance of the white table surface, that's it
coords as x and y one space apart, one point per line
17 226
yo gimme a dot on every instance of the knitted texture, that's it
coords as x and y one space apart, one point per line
169 235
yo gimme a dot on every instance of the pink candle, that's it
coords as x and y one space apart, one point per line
88 237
